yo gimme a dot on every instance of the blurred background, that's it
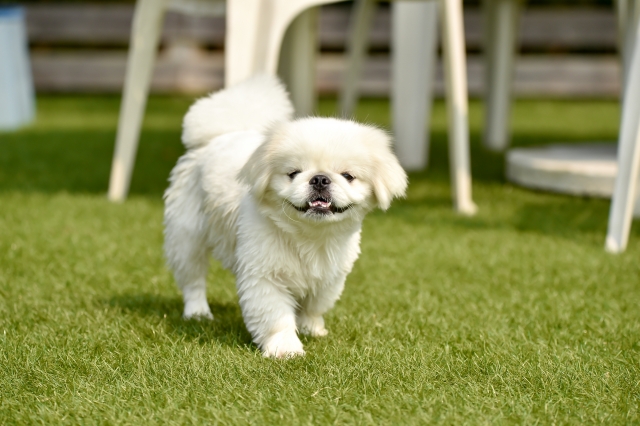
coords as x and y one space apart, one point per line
567 49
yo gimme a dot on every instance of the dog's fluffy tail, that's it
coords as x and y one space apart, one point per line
255 104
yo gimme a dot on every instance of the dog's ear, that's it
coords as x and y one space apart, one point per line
389 179
257 171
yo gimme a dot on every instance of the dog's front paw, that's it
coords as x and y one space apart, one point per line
284 344
197 309
312 326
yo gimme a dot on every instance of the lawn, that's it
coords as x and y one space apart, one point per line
514 316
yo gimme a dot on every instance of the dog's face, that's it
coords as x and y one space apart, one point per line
324 170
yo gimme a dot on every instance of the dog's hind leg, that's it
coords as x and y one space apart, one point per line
185 243
190 271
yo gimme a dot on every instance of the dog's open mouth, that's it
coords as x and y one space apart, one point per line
321 205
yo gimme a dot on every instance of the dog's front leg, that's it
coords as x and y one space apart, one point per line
314 306
269 313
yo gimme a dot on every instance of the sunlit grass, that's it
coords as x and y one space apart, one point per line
516 315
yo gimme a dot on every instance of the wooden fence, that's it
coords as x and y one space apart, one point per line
82 48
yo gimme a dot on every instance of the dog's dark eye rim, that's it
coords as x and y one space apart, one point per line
347 176
293 174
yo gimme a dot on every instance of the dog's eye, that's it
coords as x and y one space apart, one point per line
293 174
348 177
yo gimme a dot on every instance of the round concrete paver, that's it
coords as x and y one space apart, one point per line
584 169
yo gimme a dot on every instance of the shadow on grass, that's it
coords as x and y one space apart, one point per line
486 166
526 210
227 328
79 161
564 217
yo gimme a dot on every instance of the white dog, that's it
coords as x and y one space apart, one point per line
279 202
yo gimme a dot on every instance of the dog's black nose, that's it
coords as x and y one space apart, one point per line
320 181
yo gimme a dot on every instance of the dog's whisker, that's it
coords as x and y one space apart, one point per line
355 214
285 212
358 215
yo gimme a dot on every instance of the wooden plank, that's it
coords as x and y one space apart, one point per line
184 69
574 28
82 24
177 70
535 76
109 24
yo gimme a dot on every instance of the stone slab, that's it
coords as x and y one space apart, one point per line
587 169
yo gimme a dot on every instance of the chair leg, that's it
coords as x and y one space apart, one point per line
501 28
243 20
622 10
147 24
625 190
362 16
297 64
413 49
455 68
628 12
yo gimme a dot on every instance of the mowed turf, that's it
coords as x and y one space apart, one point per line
514 316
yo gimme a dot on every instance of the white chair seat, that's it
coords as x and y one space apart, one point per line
255 30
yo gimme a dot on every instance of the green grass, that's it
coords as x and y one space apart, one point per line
514 316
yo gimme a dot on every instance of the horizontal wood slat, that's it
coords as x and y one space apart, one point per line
191 60
104 24
190 71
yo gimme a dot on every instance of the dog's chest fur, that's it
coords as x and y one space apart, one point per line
312 265
303 262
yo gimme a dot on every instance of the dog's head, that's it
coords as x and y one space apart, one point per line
324 170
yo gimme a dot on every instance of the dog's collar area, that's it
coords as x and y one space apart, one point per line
320 206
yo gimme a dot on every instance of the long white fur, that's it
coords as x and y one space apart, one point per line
231 197
256 104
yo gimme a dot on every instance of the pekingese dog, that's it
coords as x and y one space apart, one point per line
280 202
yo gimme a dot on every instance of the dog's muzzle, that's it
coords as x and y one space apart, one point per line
320 201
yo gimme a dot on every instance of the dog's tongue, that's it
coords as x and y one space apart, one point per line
319 204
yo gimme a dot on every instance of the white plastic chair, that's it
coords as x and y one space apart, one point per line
502 20
625 192
414 39
145 35
502 17
254 33
501 30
